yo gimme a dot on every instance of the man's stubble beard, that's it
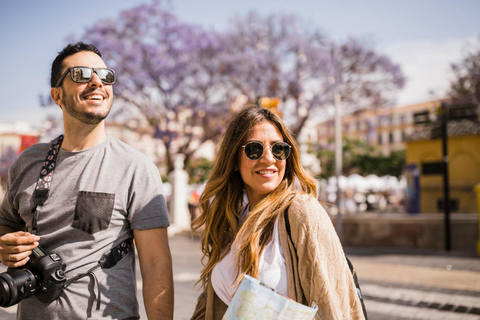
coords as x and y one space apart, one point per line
84 116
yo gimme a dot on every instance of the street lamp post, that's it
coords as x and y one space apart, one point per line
446 183
336 80
338 158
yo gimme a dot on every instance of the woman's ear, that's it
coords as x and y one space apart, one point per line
57 96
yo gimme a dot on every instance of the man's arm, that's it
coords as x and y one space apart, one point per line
156 267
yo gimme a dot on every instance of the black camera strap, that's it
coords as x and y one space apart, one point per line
108 260
40 195
42 189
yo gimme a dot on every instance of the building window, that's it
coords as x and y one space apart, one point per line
390 137
379 139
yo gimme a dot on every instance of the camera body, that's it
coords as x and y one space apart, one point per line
42 276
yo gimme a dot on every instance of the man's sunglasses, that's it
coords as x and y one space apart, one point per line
85 74
254 150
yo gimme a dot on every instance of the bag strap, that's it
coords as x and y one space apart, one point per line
350 264
357 285
287 224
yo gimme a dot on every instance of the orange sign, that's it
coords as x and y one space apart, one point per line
27 141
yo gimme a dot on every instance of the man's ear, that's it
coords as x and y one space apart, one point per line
57 96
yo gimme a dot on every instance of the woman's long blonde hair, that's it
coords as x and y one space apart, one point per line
223 196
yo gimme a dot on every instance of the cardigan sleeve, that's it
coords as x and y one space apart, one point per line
200 308
323 271
209 306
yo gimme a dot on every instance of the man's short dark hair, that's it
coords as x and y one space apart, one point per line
68 51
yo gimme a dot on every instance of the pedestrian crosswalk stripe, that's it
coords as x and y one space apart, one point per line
410 312
459 303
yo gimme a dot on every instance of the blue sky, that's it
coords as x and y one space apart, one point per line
423 36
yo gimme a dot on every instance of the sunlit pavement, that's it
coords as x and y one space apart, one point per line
418 286
395 286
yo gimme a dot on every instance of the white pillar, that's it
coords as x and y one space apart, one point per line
178 204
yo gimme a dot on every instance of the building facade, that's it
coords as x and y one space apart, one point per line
386 128
425 157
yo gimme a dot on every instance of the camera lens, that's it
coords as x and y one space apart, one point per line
5 291
16 285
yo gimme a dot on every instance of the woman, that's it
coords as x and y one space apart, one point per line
256 177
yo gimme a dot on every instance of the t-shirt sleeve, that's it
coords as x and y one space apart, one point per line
147 207
9 215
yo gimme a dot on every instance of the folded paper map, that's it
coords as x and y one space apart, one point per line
255 300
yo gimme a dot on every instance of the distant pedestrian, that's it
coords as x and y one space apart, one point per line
193 204
257 176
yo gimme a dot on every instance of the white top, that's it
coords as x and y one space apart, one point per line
272 270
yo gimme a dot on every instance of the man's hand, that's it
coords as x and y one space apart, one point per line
15 248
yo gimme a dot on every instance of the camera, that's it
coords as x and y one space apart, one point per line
42 276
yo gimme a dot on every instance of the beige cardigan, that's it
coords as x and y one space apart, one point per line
316 267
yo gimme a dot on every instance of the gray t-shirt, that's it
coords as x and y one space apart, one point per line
97 197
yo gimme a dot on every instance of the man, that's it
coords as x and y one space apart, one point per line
102 193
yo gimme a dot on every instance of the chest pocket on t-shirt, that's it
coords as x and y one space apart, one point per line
93 211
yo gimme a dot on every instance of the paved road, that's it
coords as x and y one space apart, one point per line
395 286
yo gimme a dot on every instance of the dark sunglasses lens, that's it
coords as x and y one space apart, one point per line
81 75
253 150
106 75
281 150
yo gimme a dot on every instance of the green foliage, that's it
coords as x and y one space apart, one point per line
358 157
198 170
380 165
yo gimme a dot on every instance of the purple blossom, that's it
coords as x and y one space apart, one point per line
165 66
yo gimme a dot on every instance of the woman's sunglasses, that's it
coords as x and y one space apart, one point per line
85 74
254 150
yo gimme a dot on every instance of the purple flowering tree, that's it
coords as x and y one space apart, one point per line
260 55
185 80
366 78
170 71
278 56
465 82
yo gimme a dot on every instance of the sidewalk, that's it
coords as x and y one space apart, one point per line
396 285
418 285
